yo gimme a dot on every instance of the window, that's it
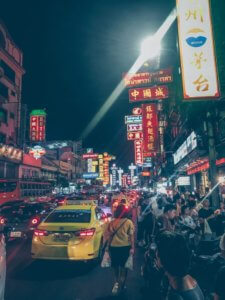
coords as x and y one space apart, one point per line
13 93
12 115
69 216
3 91
3 115
2 139
8 72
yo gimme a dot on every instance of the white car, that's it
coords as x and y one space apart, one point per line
2 266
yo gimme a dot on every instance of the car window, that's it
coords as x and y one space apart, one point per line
69 216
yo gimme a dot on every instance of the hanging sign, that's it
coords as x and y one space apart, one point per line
133 119
131 136
150 127
198 64
134 127
148 93
138 152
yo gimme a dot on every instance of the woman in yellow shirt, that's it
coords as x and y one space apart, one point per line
120 245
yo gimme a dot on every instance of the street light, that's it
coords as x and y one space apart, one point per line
150 47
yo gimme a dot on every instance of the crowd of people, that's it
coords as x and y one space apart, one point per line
183 238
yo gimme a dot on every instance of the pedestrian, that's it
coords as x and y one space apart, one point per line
166 221
174 256
2 263
120 246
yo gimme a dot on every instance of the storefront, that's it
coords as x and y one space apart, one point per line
10 159
30 168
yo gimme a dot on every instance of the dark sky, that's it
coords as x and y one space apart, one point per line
74 54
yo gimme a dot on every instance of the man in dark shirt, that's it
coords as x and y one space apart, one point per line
174 256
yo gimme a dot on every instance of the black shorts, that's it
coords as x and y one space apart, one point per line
119 255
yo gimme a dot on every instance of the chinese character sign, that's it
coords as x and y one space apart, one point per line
148 93
37 125
138 152
150 127
199 71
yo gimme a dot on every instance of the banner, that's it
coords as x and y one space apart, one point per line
198 64
138 79
138 152
150 128
148 93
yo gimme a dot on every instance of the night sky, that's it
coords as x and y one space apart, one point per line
74 55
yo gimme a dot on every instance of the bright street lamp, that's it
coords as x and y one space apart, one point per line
150 48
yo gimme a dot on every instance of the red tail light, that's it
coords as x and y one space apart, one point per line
35 221
2 220
39 232
61 202
86 232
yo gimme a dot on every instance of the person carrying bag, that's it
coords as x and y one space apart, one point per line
120 246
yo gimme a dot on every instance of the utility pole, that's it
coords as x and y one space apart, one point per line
212 158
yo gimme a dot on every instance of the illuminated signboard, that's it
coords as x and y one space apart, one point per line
133 119
137 79
100 169
137 111
37 125
138 152
186 148
90 156
11 152
198 63
134 127
150 128
37 152
148 93
131 136
90 175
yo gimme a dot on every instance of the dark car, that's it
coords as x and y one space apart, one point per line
20 219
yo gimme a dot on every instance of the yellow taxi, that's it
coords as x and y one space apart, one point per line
70 232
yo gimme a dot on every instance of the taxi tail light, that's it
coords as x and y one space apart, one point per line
85 233
39 232
61 202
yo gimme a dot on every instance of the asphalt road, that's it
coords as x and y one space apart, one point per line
42 280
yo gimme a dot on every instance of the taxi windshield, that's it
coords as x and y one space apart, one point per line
69 216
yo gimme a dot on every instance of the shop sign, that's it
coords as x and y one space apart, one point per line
183 180
146 174
37 151
198 63
131 136
11 152
37 125
134 127
138 79
90 175
150 128
138 152
90 156
89 165
114 173
189 145
133 119
137 111
100 169
148 93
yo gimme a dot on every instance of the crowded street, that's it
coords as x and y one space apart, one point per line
112 150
